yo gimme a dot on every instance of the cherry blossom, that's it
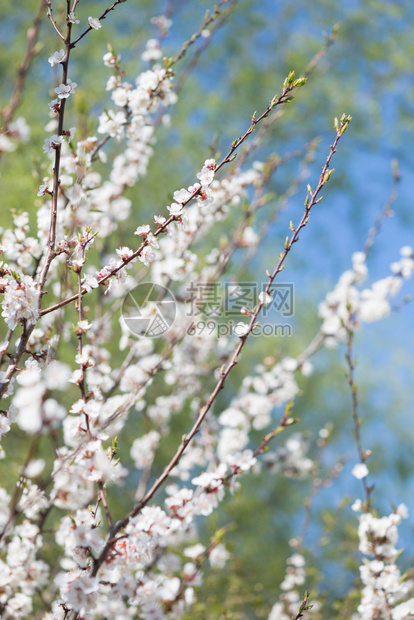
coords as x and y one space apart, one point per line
57 57
380 575
20 301
265 298
109 59
241 329
54 105
152 50
175 209
360 471
65 89
147 256
181 196
112 123
142 231
206 175
52 143
72 19
94 23
43 189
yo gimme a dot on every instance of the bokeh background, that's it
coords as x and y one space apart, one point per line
369 73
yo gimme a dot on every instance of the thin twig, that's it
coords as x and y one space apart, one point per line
304 606
385 212
200 50
52 20
277 113
363 455
207 21
103 16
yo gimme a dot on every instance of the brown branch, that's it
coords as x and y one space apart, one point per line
286 420
318 483
15 358
7 339
56 168
259 200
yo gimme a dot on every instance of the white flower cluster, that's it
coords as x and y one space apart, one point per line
21 574
291 459
34 409
153 90
18 246
252 409
152 51
143 449
176 259
134 579
200 191
383 586
20 301
346 305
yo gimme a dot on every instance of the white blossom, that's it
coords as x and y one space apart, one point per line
52 143
175 209
57 57
181 196
241 329
218 556
94 23
152 51
109 59
360 471
20 301
72 19
265 298
65 89
147 256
